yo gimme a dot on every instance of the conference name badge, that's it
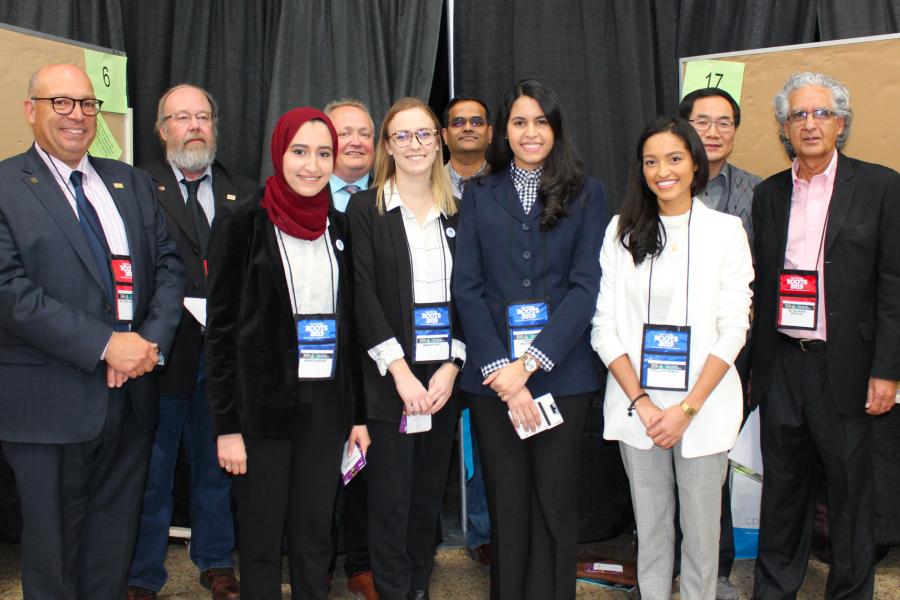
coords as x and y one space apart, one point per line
123 281
665 357
524 321
798 299
431 332
316 346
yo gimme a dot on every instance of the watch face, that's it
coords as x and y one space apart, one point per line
530 364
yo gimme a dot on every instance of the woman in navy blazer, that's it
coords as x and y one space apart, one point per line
529 237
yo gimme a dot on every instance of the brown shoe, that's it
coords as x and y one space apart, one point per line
139 593
222 583
362 584
481 554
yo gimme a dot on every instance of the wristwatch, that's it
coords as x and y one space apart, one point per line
689 410
457 362
530 363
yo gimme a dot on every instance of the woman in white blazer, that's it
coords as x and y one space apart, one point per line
672 314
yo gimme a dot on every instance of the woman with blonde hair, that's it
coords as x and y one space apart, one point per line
404 231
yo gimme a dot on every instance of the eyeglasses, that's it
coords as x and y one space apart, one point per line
64 106
459 122
818 114
704 124
404 137
183 118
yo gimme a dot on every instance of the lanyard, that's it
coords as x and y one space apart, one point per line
287 258
412 268
687 283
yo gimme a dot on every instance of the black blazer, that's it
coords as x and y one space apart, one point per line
55 317
251 340
179 376
862 278
504 256
384 297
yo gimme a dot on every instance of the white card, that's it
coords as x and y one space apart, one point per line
415 423
550 416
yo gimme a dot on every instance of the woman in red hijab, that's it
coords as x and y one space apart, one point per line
279 352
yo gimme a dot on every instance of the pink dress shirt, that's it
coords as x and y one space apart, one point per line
806 228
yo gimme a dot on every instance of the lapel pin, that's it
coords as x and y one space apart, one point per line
34 180
162 188
118 186
451 232
230 197
339 244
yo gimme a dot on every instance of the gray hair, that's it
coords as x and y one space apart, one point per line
839 94
161 118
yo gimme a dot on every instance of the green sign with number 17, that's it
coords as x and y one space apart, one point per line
107 72
723 74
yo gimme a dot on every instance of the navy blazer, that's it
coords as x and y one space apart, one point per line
503 256
55 317
862 279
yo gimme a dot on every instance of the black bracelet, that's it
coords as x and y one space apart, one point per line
633 402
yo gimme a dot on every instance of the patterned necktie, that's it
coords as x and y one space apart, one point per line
93 232
201 224
351 189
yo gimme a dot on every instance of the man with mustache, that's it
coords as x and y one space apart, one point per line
191 185
467 133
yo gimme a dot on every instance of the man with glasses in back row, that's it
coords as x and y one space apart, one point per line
825 336
191 185
90 294
467 133
716 117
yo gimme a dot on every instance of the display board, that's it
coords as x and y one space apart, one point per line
22 52
869 67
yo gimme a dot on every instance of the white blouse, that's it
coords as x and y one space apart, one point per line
311 272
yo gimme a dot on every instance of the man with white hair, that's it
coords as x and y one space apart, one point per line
825 337
190 185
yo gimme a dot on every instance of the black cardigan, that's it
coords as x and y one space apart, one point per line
251 341
384 297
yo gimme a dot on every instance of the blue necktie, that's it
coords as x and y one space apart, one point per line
93 232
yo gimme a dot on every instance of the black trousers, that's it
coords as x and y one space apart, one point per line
800 422
532 500
290 483
81 504
407 477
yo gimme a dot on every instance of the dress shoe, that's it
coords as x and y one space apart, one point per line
481 554
139 593
419 595
362 584
222 583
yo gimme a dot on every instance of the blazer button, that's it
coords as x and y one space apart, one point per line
526 255
196 286
526 283
526 227
196 251
107 308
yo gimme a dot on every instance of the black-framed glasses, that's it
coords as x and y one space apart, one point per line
704 124
818 114
183 118
404 137
63 105
460 122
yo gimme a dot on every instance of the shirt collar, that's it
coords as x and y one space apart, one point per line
828 173
338 184
455 177
393 200
524 176
179 175
61 169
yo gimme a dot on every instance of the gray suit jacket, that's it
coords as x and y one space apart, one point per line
55 318
740 196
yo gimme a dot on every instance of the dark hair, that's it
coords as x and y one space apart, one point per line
563 175
640 229
458 99
687 103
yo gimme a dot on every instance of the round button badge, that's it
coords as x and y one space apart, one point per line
339 244
451 232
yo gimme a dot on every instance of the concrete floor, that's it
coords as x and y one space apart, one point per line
457 577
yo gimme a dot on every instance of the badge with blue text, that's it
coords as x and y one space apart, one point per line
524 321
665 357
316 346
431 332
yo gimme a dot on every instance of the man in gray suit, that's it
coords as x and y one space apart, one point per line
716 116
90 296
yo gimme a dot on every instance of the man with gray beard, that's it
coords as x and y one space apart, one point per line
191 185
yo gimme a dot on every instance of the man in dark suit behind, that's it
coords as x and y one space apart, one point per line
79 337
191 185
830 222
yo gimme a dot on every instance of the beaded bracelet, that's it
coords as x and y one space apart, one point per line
633 402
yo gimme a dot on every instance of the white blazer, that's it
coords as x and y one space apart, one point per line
719 316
